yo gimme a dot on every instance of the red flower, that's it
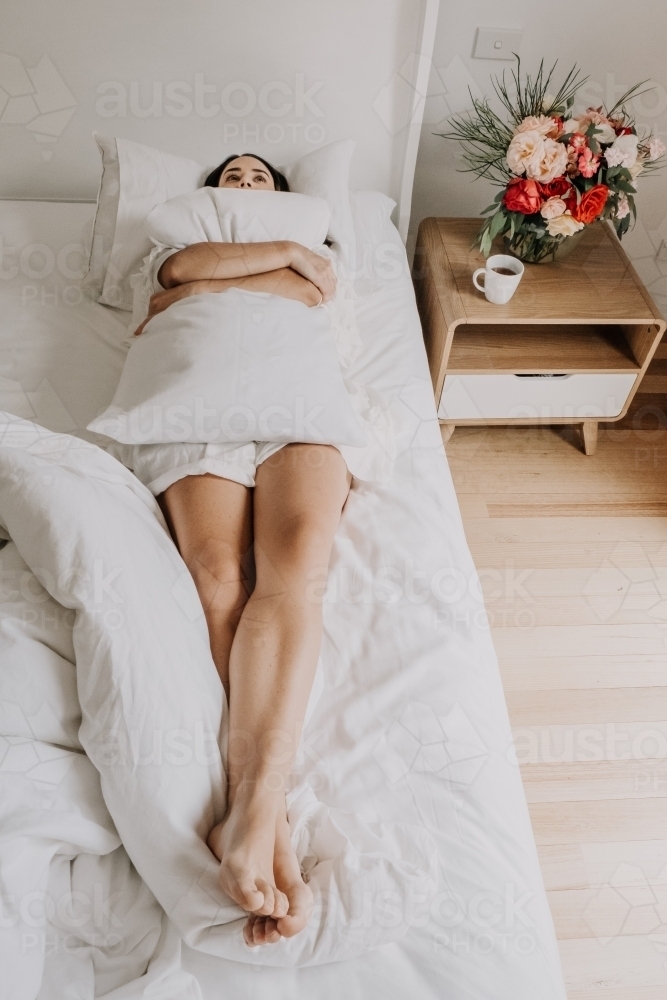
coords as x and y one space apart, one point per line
523 196
570 200
555 188
591 204
624 131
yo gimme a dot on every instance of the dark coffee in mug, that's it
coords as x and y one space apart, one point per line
500 277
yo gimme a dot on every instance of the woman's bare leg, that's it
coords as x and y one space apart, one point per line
299 495
211 520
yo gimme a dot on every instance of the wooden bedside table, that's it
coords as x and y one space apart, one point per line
586 318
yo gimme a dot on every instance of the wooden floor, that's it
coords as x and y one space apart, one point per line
575 554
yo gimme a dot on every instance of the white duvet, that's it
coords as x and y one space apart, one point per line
152 723
410 735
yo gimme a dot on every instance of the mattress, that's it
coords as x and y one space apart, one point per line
411 725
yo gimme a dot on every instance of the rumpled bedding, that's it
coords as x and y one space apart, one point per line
89 550
410 726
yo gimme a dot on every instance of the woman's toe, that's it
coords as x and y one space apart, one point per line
266 907
259 931
248 929
264 931
271 932
281 904
300 907
249 895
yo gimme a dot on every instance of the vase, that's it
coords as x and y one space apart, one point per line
542 251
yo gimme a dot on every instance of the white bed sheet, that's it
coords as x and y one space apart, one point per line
411 725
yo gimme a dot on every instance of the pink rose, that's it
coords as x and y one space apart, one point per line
552 208
543 124
523 149
593 116
551 164
538 158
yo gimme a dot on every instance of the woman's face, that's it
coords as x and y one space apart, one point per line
246 172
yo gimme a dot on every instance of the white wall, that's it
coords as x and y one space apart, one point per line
615 42
352 52
203 79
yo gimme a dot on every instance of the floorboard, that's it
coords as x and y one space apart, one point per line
572 556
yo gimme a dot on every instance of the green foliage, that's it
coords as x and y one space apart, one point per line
484 137
483 134
527 95
620 109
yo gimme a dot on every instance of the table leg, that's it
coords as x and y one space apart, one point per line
446 430
589 431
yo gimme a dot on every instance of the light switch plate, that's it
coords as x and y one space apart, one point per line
497 43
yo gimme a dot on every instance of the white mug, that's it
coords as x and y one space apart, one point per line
499 288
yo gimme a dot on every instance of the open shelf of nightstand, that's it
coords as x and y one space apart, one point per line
540 348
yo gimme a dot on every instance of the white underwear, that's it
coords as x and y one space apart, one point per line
160 465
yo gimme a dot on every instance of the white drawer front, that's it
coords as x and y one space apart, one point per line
479 397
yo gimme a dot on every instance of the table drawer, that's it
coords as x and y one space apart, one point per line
480 397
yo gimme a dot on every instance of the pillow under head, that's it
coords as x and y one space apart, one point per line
136 178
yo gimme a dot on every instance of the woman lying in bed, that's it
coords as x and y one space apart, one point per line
283 503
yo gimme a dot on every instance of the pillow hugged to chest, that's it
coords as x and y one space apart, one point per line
229 215
234 366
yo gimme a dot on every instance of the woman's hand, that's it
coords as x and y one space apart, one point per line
162 300
315 268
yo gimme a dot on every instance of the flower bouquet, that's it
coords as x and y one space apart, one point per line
558 172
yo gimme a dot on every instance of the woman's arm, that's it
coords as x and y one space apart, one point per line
205 261
282 281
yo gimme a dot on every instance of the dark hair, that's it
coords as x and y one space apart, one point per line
279 180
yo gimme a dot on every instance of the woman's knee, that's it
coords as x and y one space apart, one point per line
302 546
219 572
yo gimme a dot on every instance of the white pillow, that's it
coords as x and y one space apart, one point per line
104 224
233 366
229 215
325 173
136 178
371 214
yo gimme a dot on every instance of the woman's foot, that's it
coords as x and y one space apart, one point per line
260 929
245 845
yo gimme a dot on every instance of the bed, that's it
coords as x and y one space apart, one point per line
409 726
